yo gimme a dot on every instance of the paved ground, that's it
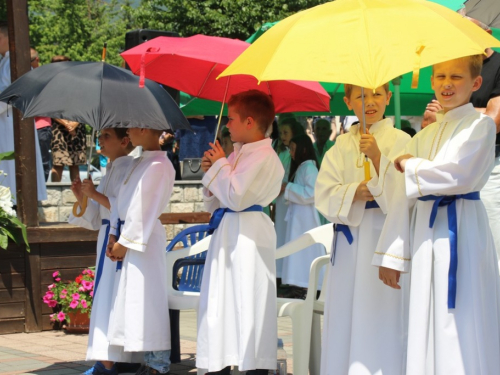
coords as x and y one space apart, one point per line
58 353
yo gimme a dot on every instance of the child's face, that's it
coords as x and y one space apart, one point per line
293 148
227 146
135 136
453 84
285 134
111 145
236 125
322 131
375 103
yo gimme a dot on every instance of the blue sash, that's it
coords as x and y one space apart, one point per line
450 201
119 228
100 264
347 231
219 214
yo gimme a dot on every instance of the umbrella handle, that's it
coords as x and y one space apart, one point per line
366 165
82 209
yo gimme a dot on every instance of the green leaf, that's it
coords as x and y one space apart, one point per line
4 240
24 233
7 155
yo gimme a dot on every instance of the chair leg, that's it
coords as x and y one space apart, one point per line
175 352
301 337
315 353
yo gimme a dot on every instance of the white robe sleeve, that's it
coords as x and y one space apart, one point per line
381 190
461 171
334 198
303 194
232 187
113 217
145 208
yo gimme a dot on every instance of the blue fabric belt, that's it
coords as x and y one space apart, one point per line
119 228
347 231
100 264
450 201
219 214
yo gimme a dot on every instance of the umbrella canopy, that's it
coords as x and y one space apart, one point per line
361 42
192 65
94 93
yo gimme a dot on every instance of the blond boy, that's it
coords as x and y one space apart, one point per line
454 320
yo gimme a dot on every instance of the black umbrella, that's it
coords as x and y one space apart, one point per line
94 93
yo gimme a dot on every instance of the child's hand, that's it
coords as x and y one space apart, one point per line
76 188
111 241
283 188
215 153
400 162
88 188
205 164
117 252
368 146
389 276
362 193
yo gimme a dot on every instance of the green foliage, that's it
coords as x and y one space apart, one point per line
229 18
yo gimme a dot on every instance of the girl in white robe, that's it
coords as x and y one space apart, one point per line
139 319
453 156
364 321
301 215
116 145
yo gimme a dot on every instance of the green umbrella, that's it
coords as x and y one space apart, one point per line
261 31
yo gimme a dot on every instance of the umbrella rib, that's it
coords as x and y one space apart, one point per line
206 79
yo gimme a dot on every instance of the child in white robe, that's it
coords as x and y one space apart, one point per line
288 128
139 319
364 323
237 323
301 215
115 145
454 318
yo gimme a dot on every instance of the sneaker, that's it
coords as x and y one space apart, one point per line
99 369
146 370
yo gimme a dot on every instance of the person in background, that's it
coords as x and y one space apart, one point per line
226 143
322 131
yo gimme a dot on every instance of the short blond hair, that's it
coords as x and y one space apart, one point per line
348 89
255 104
475 63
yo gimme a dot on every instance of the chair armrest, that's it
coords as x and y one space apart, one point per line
314 274
322 235
180 263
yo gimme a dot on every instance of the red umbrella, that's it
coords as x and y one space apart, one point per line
192 65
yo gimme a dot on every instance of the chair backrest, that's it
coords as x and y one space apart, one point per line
192 267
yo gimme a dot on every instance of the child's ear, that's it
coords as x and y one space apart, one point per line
478 81
347 103
389 96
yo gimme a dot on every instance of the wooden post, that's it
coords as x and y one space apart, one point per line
24 147
24 129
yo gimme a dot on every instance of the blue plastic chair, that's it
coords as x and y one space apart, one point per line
192 274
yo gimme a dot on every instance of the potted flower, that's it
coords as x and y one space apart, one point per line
71 301
10 226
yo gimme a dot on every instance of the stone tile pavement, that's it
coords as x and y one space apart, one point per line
58 353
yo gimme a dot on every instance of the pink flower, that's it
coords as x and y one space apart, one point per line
84 272
61 316
52 303
75 296
52 317
73 304
51 286
49 294
81 289
55 274
84 303
92 293
58 279
87 284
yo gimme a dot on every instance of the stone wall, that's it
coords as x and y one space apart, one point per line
187 196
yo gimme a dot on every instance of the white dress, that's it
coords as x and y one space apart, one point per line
452 156
301 217
139 318
364 325
98 345
7 140
237 322
280 210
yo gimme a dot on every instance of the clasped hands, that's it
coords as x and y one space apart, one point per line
368 146
114 250
81 188
211 156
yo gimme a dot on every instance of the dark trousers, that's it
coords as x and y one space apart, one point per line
44 140
227 371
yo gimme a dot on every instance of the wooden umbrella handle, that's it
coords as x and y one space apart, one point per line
366 165
83 207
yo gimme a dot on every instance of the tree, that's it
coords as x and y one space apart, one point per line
229 18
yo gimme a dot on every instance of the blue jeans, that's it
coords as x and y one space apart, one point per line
158 360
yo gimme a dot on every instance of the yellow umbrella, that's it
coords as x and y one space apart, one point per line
362 42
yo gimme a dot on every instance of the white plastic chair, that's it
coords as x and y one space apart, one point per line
301 311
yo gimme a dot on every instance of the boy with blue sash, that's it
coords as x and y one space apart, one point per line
454 319
237 323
